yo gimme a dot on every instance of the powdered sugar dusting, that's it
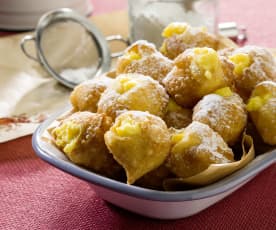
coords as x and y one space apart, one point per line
209 104
211 142
146 95
225 115
151 63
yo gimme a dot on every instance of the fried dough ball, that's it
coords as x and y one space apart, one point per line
179 36
111 74
252 65
81 137
195 148
177 116
262 110
142 57
224 111
197 72
85 96
133 92
228 68
139 141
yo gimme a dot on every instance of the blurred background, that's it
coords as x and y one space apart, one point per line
23 14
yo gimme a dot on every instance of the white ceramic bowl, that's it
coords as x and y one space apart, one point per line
24 14
147 202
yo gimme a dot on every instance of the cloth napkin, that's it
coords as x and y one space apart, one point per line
28 94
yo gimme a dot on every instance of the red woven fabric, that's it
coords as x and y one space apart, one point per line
35 195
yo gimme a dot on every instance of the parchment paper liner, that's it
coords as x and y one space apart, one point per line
215 171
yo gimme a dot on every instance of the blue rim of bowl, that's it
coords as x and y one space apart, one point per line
224 185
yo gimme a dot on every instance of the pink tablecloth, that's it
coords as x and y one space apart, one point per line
35 195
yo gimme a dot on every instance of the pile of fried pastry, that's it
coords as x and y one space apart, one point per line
172 112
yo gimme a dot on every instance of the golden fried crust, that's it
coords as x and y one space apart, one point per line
192 37
187 84
264 117
81 137
178 119
225 115
265 121
139 141
261 68
177 116
147 61
111 74
179 85
228 68
199 147
154 179
85 96
146 94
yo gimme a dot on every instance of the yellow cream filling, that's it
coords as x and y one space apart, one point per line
125 84
241 62
128 127
256 102
184 140
224 92
207 60
132 55
67 136
177 137
174 28
163 48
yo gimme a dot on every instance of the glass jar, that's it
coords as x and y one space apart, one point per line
148 18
